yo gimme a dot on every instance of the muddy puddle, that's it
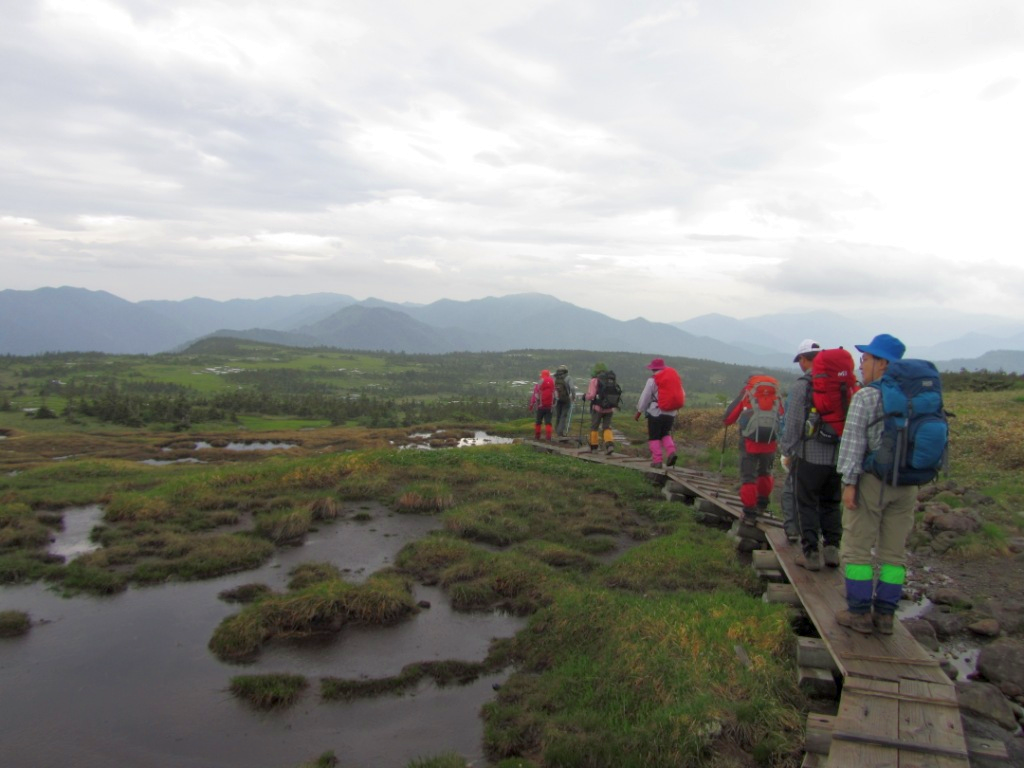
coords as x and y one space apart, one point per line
128 680
960 654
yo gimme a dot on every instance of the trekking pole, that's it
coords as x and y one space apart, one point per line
721 462
579 440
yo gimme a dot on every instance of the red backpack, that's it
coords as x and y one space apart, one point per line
671 395
833 383
546 391
764 406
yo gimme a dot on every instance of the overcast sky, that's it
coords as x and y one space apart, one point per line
642 158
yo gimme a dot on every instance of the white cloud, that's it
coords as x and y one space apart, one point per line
660 158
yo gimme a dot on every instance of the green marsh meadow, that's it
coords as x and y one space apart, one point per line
639 638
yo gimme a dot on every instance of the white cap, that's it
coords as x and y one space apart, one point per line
806 346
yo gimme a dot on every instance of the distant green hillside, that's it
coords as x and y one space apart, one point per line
218 379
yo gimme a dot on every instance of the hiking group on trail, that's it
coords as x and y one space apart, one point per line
855 454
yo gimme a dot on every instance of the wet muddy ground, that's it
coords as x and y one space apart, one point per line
128 680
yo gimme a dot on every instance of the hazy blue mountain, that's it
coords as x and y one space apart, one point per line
1006 360
264 335
78 320
783 332
377 328
282 313
75 319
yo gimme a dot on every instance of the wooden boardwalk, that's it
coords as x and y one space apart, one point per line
898 708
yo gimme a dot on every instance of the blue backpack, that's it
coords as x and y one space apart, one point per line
915 429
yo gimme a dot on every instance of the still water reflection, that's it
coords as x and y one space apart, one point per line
128 680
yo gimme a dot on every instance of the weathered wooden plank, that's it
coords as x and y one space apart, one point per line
929 715
869 724
979 747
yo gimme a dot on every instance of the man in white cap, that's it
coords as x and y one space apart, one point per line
812 463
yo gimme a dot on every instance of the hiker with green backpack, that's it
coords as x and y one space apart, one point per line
603 394
565 395
895 440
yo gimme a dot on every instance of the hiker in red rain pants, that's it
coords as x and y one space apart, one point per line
757 409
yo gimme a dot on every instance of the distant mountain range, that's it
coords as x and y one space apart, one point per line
77 320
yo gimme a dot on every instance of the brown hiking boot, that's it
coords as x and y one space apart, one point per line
671 459
609 449
831 556
858 622
883 622
812 561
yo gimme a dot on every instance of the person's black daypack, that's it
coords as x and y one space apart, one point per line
608 391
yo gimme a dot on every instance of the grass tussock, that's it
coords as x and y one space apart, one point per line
305 574
444 760
25 567
324 760
425 498
322 607
14 623
136 507
272 691
245 593
443 673
324 509
285 526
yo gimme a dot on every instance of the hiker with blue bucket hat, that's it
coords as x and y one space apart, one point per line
878 508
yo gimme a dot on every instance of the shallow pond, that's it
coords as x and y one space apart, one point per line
128 680
235 446
73 539
426 441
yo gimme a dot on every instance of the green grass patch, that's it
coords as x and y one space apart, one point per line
693 558
615 679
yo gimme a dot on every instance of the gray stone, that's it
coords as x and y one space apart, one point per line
951 597
985 628
956 523
945 624
923 632
1002 661
985 700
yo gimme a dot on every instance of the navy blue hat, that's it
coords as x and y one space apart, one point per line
884 346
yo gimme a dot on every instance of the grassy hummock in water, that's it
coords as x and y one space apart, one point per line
321 607
268 691
14 623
